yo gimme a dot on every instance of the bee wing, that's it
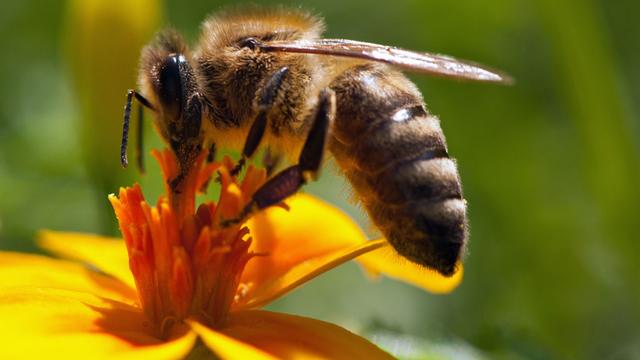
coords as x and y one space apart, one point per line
422 62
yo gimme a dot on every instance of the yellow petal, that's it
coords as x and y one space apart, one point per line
261 294
308 233
310 229
107 254
386 260
288 336
40 323
226 347
27 270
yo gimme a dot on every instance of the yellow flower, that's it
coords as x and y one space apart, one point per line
187 285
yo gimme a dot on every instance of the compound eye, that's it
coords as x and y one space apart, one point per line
251 43
170 85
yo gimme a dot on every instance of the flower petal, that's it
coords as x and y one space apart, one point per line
38 323
28 270
288 336
297 275
107 254
226 347
306 235
311 228
386 260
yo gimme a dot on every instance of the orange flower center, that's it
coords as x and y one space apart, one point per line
186 264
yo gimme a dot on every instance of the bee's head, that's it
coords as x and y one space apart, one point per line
168 81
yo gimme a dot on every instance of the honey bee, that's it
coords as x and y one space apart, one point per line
267 77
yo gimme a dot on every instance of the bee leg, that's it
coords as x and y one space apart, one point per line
125 124
211 156
256 133
270 161
313 150
253 140
288 181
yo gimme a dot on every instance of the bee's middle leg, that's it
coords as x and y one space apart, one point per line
265 101
288 181
270 161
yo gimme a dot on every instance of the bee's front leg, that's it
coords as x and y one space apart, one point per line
211 154
211 157
290 180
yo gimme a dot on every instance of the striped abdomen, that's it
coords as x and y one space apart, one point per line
394 153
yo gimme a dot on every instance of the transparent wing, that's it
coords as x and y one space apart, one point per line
433 64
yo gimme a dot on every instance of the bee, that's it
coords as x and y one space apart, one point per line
267 77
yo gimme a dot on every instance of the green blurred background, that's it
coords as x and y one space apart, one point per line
550 166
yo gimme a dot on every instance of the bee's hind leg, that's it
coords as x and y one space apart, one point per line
288 181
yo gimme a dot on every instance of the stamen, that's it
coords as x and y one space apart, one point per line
184 263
